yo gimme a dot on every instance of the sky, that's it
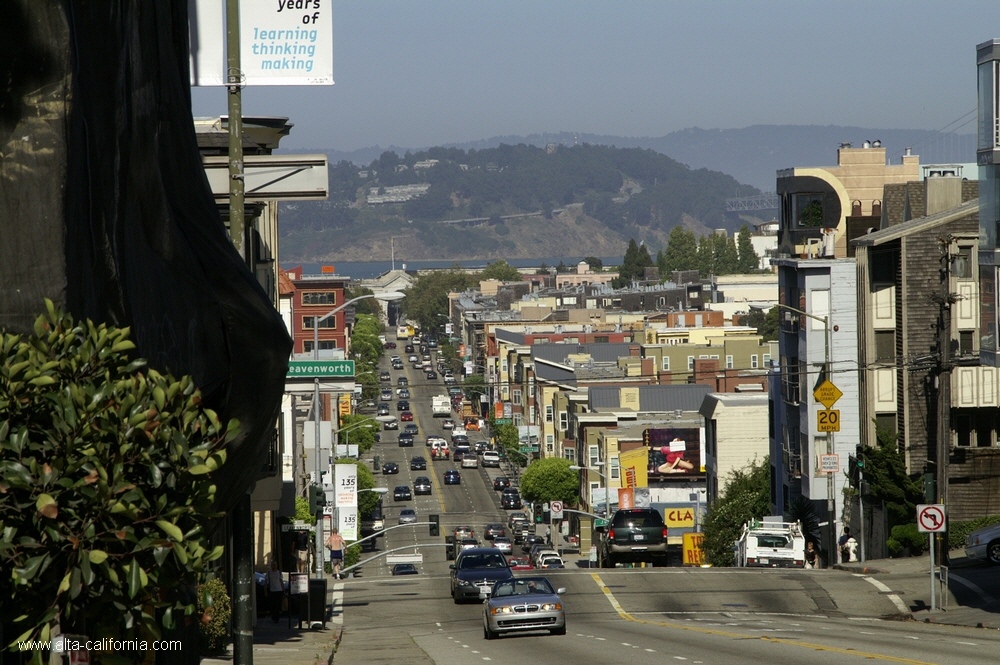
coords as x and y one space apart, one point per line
420 73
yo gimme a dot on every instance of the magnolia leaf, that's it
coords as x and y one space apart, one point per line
64 585
124 345
44 380
159 397
98 556
171 530
134 579
47 506
199 470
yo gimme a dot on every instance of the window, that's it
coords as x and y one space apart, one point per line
690 363
549 439
515 396
615 469
307 322
753 361
549 448
666 363
563 420
324 345
965 343
570 454
767 359
503 365
518 420
601 339
729 362
885 422
594 453
319 298
808 210
548 413
531 414
540 340
569 300
885 345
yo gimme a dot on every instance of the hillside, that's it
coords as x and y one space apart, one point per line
584 199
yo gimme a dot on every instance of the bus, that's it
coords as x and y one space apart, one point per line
404 332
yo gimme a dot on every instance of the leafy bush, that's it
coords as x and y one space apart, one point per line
957 531
214 607
747 496
906 536
105 478
352 555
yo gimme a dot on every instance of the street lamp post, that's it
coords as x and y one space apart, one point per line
831 505
316 410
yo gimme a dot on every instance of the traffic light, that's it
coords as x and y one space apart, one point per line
435 526
930 488
317 499
852 470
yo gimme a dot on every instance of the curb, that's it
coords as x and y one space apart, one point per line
336 644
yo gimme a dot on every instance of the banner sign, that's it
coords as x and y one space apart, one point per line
347 521
634 466
345 485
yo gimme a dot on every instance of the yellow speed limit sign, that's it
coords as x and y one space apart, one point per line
828 420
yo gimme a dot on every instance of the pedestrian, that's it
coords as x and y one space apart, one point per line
548 536
274 583
302 551
811 556
335 543
848 546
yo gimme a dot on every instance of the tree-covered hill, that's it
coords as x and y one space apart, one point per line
629 192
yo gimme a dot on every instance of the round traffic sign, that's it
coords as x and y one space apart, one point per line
556 506
930 518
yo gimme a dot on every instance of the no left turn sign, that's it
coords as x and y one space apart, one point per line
556 509
930 518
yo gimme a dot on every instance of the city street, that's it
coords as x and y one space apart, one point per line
615 616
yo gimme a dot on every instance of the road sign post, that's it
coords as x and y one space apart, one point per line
931 520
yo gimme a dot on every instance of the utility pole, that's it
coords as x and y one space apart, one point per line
945 300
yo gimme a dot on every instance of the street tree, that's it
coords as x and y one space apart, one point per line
500 271
749 261
681 252
427 300
106 479
550 479
747 496
363 437
367 307
473 386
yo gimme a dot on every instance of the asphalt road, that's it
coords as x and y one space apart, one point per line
637 616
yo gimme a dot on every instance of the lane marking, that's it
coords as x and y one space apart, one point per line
896 600
971 644
725 633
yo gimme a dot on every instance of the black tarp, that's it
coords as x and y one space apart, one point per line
105 207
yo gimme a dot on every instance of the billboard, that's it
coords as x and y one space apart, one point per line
674 451
347 522
345 485
634 465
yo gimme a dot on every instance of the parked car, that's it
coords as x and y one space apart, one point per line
390 424
447 423
406 417
418 463
984 544
407 516
402 493
405 440
493 530
422 485
449 381
503 613
477 569
405 569
452 477
390 468
501 483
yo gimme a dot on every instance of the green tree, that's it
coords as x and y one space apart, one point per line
506 437
595 263
550 479
747 496
766 323
106 479
474 385
363 437
427 300
681 252
727 258
634 265
501 271
369 306
302 510
749 261
367 501
706 256
885 472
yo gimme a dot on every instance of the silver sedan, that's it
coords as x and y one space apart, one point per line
523 604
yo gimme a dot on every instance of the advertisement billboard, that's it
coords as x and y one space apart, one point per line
347 522
634 465
674 451
345 485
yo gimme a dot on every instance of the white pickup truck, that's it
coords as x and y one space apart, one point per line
771 543
440 406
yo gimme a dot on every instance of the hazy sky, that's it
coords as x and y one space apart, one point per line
420 73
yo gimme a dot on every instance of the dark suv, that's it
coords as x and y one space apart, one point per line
510 499
634 535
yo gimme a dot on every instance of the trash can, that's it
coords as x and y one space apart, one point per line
317 601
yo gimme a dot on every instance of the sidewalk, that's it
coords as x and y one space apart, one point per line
965 603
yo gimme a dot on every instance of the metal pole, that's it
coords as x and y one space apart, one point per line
234 83
931 542
318 479
607 489
944 390
831 501
243 582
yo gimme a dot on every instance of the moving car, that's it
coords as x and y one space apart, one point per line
406 417
412 359
467 544
452 477
397 364
475 570
402 493
491 458
418 463
530 540
633 535
492 531
984 544
515 518
402 381
447 423
510 499
422 485
402 405
407 516
403 393
550 561
431 374
503 544
411 428
383 408
469 460
520 563
405 440
500 483
385 376
390 468
390 424
386 394
389 345
435 439
405 569
525 603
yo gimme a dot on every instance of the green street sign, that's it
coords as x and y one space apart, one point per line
599 522
320 369
528 449
504 421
